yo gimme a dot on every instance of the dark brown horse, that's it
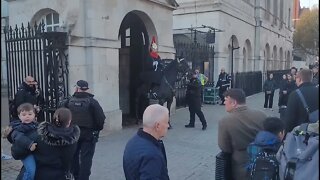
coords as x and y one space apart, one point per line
165 90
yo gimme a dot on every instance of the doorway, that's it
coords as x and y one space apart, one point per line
132 61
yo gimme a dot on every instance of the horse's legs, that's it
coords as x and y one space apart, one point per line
169 103
139 92
161 102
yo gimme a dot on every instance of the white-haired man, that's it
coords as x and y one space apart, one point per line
144 155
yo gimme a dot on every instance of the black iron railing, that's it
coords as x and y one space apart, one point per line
32 51
250 82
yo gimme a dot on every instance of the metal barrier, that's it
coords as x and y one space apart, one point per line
211 95
181 88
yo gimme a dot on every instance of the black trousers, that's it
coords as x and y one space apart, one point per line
283 99
221 91
196 110
268 99
202 87
82 160
282 112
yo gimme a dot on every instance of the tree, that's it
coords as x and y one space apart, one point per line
306 35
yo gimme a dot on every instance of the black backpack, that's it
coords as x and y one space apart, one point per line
265 167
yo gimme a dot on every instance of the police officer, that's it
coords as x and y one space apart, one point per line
88 115
223 84
193 97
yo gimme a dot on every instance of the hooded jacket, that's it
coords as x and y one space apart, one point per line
265 141
55 150
22 137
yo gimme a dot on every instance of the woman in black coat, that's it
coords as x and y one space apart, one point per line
269 87
283 93
291 84
57 142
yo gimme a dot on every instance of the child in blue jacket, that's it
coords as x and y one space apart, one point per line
266 141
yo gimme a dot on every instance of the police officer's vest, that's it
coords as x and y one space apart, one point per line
81 113
201 78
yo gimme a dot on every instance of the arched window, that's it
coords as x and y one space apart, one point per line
51 21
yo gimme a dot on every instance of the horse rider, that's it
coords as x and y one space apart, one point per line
155 65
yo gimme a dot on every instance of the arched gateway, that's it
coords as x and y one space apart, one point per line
135 33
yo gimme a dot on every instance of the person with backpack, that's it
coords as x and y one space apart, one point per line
263 149
298 156
297 113
89 116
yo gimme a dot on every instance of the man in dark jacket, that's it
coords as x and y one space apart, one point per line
144 155
25 94
296 114
193 97
223 84
89 116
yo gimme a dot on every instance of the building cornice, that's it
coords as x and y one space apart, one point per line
171 6
199 4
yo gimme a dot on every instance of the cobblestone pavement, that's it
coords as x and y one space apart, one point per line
190 152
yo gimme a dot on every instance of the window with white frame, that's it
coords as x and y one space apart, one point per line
127 37
51 21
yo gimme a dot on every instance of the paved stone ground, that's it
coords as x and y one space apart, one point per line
190 152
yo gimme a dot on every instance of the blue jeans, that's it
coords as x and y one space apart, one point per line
30 167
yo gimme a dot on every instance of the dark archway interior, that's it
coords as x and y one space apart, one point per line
132 56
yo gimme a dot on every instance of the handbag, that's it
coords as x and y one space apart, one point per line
223 166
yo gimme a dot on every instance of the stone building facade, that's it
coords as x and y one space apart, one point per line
107 42
261 29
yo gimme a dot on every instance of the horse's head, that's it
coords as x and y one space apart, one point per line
183 66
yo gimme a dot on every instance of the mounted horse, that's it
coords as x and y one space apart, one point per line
160 86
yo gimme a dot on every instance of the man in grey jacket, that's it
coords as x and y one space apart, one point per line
238 129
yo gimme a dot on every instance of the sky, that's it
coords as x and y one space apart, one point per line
308 3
